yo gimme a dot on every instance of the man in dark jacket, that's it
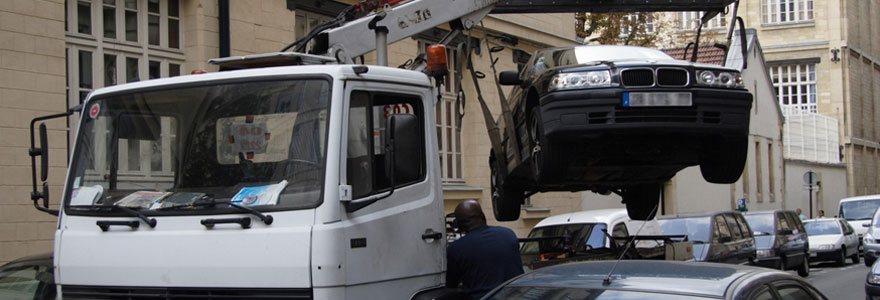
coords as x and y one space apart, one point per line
485 257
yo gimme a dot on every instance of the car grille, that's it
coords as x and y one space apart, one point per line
104 292
637 77
672 77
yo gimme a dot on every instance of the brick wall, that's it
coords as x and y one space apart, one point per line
32 83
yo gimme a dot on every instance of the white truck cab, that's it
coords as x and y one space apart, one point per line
857 211
312 181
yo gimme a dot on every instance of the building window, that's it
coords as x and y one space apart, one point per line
630 20
448 136
786 11
770 168
690 20
759 174
795 88
111 50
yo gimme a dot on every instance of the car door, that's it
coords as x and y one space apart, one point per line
741 244
794 238
725 245
850 238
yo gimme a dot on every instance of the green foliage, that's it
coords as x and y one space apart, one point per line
618 28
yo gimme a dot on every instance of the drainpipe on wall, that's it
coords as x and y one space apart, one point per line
223 9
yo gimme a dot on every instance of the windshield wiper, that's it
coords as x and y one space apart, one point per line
105 224
208 201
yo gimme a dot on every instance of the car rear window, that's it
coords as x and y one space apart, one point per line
554 239
696 228
761 224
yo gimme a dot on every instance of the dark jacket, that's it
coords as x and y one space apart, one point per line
481 260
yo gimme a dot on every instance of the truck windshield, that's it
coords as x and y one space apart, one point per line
258 144
858 210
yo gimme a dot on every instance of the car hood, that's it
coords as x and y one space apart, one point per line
631 62
817 240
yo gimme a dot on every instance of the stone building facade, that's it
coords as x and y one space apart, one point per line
54 52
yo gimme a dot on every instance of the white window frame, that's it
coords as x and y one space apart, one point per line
449 137
689 20
629 18
795 84
99 46
786 11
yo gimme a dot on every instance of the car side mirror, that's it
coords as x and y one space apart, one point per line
509 78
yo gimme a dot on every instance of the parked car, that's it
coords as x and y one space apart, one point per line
718 237
872 283
871 239
832 239
781 240
620 119
654 279
30 277
585 235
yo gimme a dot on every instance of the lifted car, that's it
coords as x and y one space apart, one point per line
619 119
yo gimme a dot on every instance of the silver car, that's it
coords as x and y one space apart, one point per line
832 239
871 240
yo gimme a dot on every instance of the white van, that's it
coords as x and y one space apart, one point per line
584 236
858 212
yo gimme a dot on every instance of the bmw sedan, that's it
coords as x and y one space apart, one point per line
619 119
653 279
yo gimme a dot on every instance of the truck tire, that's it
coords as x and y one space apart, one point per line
641 201
506 199
546 165
722 161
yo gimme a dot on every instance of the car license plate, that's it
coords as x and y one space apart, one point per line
631 99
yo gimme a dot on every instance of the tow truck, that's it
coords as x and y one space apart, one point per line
297 175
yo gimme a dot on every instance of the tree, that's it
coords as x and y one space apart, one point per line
621 28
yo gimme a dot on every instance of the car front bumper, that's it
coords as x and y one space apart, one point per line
593 112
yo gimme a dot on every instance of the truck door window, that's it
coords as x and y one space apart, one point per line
368 113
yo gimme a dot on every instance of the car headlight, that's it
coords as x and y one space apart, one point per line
581 80
724 79
762 253
868 239
874 279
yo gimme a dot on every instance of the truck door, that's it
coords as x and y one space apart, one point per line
396 242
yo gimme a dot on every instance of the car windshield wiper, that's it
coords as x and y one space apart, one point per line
208 201
105 224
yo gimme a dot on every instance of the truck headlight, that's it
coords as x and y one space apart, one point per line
723 79
764 253
581 80
874 279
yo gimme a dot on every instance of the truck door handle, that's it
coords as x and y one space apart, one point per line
430 235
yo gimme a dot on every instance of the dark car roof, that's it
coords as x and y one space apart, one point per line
43 258
693 215
673 277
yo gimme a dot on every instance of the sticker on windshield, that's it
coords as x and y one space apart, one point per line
259 195
94 110
258 138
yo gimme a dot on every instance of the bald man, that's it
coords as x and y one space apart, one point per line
485 257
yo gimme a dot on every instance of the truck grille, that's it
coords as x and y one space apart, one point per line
672 77
105 292
637 77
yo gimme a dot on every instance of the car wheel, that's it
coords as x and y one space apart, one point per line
841 258
545 157
868 261
506 200
855 257
804 269
641 201
723 161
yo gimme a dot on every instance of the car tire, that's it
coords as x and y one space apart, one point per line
804 269
506 200
723 160
855 257
641 201
868 261
546 160
841 258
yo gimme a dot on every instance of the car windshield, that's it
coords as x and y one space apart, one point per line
696 228
859 210
540 293
258 144
822 228
761 224
561 238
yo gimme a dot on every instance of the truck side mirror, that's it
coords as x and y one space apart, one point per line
44 153
404 148
509 78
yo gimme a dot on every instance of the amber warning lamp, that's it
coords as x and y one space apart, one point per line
437 61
